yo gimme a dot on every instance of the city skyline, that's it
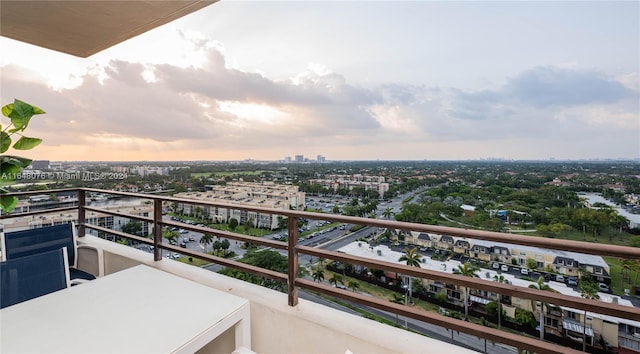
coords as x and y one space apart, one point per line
350 81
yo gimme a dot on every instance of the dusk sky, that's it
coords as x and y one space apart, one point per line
347 80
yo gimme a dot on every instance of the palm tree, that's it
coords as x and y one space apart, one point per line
627 266
467 270
540 285
335 279
388 212
500 279
318 275
413 259
206 240
353 285
588 290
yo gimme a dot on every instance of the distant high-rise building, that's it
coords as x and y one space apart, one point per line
40 164
287 159
150 170
321 158
299 158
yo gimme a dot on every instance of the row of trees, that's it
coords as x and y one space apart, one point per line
356 208
357 191
557 221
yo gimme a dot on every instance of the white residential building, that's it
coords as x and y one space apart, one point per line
267 195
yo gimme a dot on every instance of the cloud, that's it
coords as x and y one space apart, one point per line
549 86
203 111
541 88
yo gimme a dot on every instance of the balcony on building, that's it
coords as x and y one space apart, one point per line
284 323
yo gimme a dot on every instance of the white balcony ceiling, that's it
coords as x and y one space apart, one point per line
83 28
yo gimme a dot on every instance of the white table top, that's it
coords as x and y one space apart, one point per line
138 310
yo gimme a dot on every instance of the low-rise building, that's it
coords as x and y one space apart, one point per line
266 194
561 321
555 261
335 182
100 219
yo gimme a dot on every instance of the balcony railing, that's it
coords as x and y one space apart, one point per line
294 250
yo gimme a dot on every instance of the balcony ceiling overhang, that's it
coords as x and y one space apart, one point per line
83 28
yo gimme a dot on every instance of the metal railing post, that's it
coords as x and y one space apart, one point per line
157 229
81 212
293 260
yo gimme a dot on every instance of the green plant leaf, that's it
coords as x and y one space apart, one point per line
21 109
8 203
7 109
8 172
5 142
14 160
25 143
21 113
25 109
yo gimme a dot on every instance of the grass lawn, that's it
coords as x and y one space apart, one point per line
616 276
229 174
382 293
201 174
196 261
225 227
240 229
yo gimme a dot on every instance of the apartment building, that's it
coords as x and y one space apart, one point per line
349 182
266 194
101 219
561 262
560 321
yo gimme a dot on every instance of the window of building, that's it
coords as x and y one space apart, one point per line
571 315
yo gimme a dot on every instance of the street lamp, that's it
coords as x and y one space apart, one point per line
406 290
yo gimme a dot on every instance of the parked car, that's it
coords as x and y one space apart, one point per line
524 271
495 266
604 288
560 278
572 281
504 268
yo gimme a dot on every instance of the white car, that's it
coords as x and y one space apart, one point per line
524 271
504 268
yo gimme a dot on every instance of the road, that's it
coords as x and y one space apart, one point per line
338 238
443 334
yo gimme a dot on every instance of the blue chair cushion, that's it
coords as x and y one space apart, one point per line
80 274
29 242
31 276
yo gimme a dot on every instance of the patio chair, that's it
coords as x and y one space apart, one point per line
28 242
28 277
